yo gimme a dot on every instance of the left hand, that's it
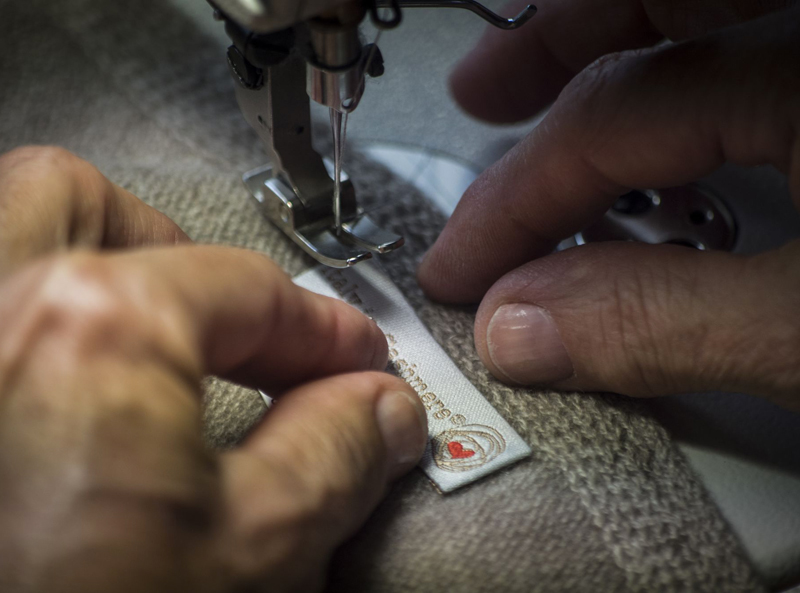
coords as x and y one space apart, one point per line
105 483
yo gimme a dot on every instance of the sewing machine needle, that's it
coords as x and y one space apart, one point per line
339 132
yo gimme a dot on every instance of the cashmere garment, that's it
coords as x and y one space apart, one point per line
605 503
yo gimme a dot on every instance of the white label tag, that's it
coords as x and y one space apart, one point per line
468 438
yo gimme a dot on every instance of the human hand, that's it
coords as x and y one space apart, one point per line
630 318
105 483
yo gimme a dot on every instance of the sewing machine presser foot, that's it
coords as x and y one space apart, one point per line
357 239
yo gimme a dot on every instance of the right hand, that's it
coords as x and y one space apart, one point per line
636 319
105 482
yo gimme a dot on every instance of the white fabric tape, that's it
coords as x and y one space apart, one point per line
468 438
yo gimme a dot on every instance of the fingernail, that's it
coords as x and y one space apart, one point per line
404 428
524 345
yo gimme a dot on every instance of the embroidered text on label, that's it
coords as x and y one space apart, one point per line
468 439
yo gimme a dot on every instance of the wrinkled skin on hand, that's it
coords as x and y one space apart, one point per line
105 483
635 319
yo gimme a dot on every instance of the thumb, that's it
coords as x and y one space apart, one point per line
314 470
647 320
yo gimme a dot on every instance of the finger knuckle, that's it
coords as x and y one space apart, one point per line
595 97
81 298
655 354
636 315
590 85
350 440
26 168
769 341
346 478
46 158
79 289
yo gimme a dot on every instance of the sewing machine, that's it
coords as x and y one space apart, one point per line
286 53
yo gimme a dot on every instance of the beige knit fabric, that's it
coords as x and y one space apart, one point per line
606 503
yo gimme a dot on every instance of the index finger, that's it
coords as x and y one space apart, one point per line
510 76
192 310
247 320
653 119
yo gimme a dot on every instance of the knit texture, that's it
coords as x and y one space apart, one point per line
606 502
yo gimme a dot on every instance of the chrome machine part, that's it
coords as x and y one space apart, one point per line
473 6
689 215
359 235
266 16
336 71
296 190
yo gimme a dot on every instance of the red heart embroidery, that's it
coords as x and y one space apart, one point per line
457 450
